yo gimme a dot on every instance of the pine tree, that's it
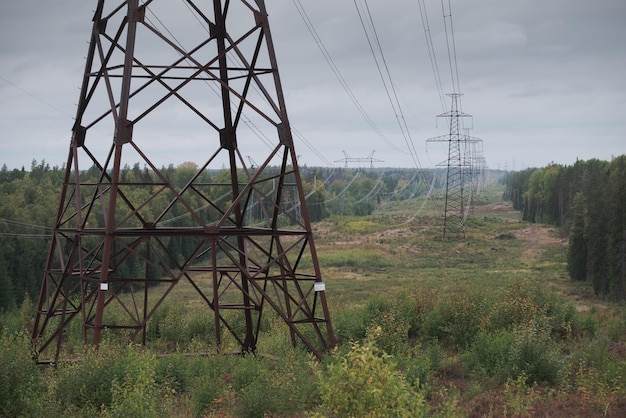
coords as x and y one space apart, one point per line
577 249
617 227
596 230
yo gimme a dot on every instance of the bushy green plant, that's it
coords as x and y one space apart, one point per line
86 384
351 324
210 380
21 384
419 364
490 353
255 401
536 355
14 321
276 387
136 394
456 317
392 332
510 308
585 324
200 325
406 309
174 372
110 379
365 382
173 326
207 392
518 396
595 389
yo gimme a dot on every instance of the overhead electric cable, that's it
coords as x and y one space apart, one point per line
431 52
390 85
9 235
39 99
24 225
344 84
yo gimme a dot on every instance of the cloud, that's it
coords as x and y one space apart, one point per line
543 80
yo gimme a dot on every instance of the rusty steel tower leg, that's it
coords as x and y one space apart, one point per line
240 236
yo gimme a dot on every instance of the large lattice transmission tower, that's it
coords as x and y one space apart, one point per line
239 235
458 168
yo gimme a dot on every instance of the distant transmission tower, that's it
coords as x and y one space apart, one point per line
458 169
240 236
472 178
369 159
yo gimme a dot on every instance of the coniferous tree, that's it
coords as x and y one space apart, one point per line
7 295
616 242
594 188
577 249
588 201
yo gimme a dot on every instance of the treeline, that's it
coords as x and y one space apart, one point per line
29 200
588 201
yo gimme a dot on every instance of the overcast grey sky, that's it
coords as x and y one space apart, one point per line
544 79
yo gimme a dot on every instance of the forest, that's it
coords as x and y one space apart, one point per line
29 199
587 201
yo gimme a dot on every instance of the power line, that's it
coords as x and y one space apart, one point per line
39 99
23 224
395 103
39 236
342 81
431 51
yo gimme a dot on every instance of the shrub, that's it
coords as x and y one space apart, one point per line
200 325
419 365
601 390
110 379
257 401
511 308
392 332
535 355
456 318
20 381
423 301
490 354
282 387
351 324
206 391
365 382
136 394
210 380
174 372
86 384
406 309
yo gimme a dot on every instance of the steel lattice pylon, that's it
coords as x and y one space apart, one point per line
240 235
458 169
